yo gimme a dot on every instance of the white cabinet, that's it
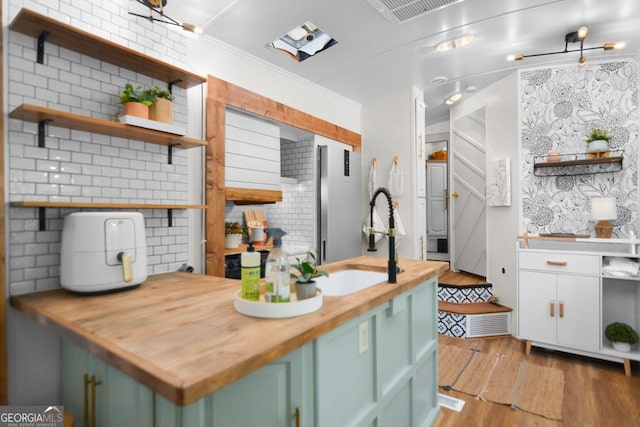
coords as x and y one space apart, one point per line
567 298
100 395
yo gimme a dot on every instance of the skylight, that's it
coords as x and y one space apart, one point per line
303 42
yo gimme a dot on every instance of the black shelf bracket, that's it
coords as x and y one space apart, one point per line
42 219
42 127
170 217
41 39
170 154
174 82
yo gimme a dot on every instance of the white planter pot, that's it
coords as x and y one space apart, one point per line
598 146
232 241
622 346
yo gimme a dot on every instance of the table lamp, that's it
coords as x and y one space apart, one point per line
602 210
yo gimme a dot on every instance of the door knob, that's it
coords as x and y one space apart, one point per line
454 195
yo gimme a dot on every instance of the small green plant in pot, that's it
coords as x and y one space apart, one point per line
307 271
621 335
232 234
136 102
161 109
598 141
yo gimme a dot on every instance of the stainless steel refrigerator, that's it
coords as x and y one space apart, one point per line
339 204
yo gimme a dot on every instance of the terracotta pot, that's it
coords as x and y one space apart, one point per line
161 111
136 109
554 156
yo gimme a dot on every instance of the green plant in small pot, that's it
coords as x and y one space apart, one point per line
621 335
162 108
305 285
136 102
598 142
232 235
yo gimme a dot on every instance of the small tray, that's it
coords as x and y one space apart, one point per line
278 310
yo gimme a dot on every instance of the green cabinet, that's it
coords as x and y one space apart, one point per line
100 395
379 369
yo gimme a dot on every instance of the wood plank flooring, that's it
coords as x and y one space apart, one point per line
460 278
597 393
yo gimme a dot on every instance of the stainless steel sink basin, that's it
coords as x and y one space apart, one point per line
346 282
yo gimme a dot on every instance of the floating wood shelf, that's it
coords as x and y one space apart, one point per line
42 205
50 30
577 166
249 196
64 119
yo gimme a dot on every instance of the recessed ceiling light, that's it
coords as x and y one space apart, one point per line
456 43
303 42
438 80
470 89
453 98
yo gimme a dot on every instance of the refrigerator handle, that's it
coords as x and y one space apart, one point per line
324 250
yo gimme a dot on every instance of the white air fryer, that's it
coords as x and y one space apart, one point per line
103 251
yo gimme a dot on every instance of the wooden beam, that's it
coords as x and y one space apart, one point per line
221 94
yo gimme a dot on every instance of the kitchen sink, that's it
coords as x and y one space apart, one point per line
346 282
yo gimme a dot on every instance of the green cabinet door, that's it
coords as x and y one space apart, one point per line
119 399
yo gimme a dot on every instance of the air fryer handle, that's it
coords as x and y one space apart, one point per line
127 266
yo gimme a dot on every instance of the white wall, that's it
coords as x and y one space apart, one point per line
501 112
387 131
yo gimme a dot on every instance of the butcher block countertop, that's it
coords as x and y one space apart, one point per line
180 335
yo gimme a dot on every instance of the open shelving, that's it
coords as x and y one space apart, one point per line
577 164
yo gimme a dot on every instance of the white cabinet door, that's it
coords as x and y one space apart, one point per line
578 311
436 201
536 310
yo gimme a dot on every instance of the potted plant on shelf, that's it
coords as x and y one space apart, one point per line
232 235
621 335
135 101
305 285
598 143
161 109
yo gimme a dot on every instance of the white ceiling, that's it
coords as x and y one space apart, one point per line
374 56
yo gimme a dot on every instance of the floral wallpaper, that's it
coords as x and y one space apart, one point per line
558 108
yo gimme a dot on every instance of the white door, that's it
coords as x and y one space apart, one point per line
436 200
467 208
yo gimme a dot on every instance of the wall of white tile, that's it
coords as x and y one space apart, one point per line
295 214
81 166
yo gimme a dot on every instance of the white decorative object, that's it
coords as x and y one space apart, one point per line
278 310
603 209
624 347
499 190
598 146
232 241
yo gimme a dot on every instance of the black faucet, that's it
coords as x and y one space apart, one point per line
392 266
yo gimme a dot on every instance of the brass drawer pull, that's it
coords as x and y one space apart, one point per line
552 308
561 309
560 263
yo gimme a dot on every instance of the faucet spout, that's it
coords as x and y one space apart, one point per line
392 266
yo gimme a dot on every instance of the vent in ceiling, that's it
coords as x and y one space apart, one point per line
397 11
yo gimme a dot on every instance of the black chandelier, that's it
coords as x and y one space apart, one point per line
572 37
157 6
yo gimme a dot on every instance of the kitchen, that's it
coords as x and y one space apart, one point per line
171 247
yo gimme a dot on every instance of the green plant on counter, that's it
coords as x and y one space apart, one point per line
307 269
598 134
232 228
155 92
131 94
621 332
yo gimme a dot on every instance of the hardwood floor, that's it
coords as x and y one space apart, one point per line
460 278
596 393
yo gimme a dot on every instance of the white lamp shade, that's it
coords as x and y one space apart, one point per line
603 208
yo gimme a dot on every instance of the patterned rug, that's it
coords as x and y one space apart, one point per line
499 379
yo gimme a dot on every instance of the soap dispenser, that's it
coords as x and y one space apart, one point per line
277 278
250 274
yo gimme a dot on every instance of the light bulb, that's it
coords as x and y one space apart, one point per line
582 33
515 57
581 61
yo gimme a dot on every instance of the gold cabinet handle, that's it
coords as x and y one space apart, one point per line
552 308
86 399
561 310
455 195
94 384
420 156
422 248
297 417
560 263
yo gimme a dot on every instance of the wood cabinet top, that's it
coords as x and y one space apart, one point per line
179 334
65 35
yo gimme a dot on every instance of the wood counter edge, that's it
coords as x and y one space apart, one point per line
183 393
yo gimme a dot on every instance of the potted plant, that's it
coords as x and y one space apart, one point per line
135 101
598 142
305 285
621 335
232 235
162 108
